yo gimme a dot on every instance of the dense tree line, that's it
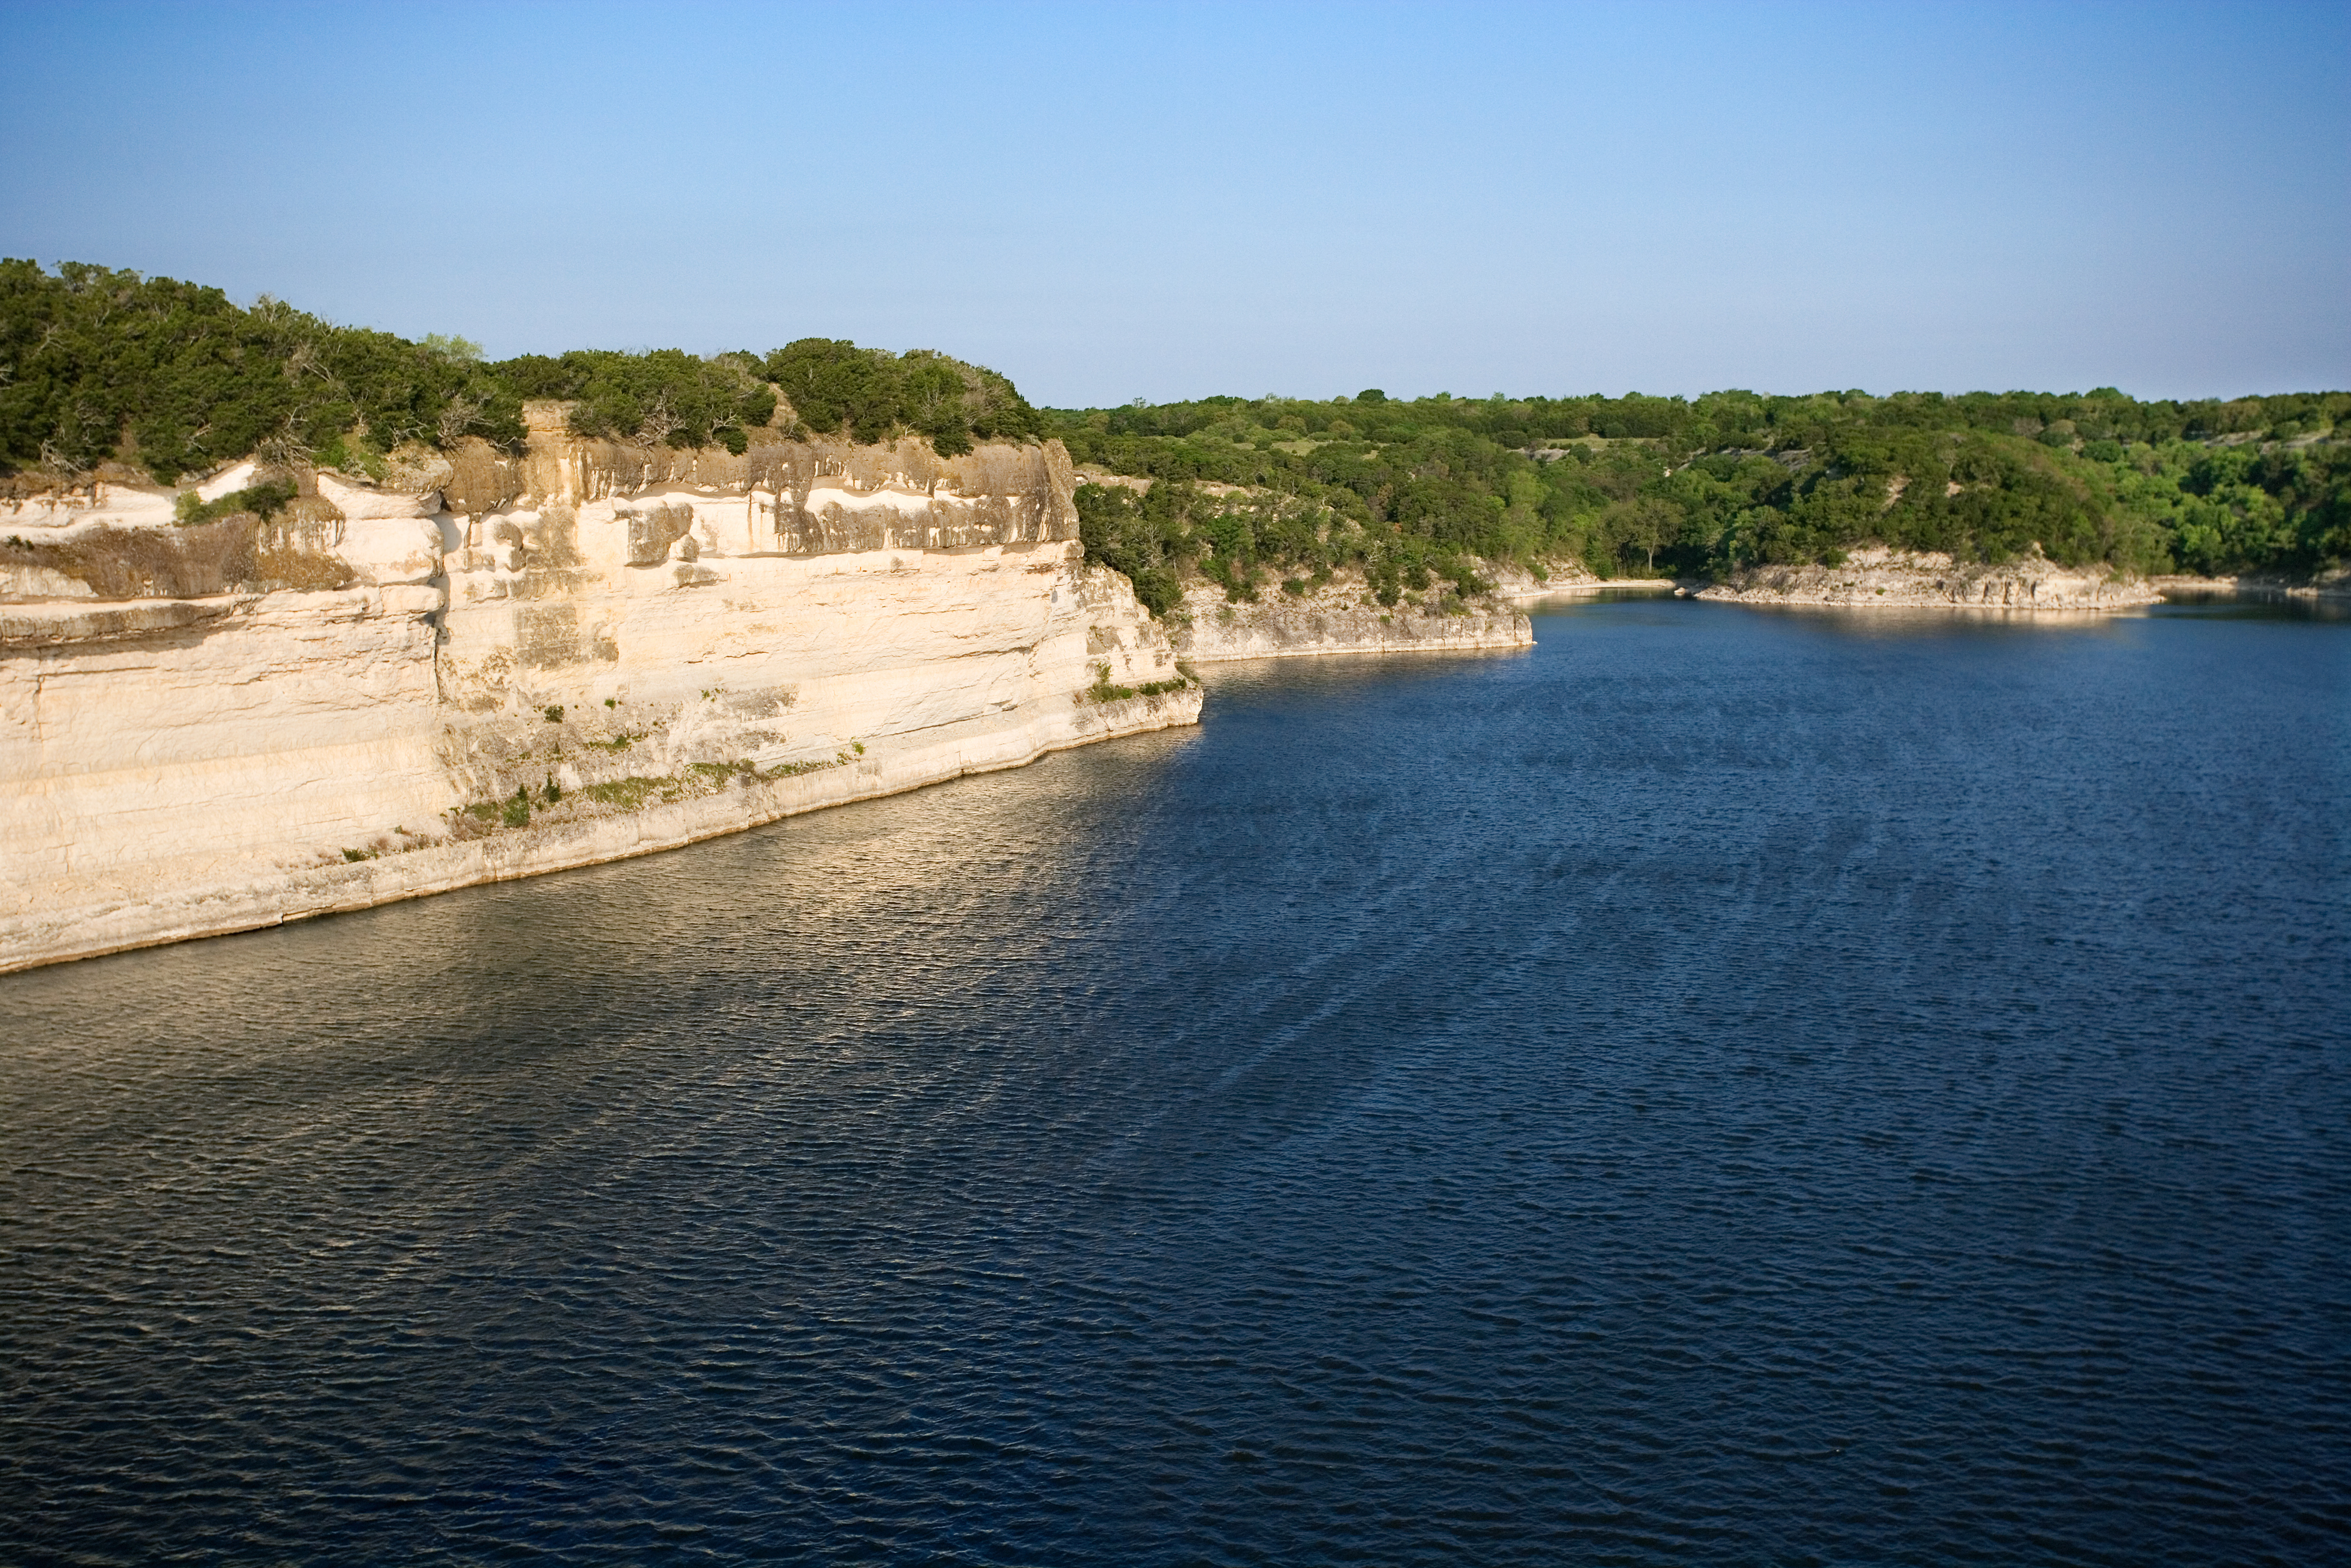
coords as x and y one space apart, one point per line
830 387
1704 487
835 386
99 366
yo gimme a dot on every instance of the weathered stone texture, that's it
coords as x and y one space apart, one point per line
649 662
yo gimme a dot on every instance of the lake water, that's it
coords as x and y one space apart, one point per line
1724 1086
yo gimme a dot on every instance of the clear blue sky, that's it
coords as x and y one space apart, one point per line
1114 201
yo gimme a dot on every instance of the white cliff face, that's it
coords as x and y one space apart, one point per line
1902 578
646 662
165 747
1340 617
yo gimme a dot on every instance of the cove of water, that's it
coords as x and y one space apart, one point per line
1723 1086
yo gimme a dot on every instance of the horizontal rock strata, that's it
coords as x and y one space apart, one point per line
534 663
1565 579
1342 617
1874 578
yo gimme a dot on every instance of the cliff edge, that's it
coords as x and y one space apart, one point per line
492 665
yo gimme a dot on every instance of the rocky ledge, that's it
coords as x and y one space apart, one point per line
1341 616
1902 578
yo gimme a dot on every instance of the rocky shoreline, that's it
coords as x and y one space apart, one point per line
521 663
1340 617
1567 580
1881 578
110 917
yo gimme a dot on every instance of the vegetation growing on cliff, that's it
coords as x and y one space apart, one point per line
835 386
1644 484
1241 540
98 365
1104 690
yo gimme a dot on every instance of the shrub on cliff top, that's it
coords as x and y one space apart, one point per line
664 398
870 394
171 376
264 501
110 366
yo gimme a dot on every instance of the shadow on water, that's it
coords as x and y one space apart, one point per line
1725 1085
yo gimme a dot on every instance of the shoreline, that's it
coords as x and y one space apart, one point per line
2163 590
1521 585
1340 617
295 894
1881 578
254 897
544 662
2255 586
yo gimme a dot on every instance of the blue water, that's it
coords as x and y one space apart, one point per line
1724 1087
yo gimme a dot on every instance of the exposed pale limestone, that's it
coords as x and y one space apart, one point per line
1902 578
236 477
1564 578
19 581
174 743
101 503
647 664
1340 617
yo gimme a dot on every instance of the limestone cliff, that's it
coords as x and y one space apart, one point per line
1340 617
1880 577
1565 580
490 666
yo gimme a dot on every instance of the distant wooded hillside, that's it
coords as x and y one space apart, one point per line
1655 484
99 366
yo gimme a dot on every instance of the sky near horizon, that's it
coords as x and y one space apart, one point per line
1119 202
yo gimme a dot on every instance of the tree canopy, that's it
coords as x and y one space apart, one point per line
1707 485
98 365
104 366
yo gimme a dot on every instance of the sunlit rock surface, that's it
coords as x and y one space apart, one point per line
1891 577
1340 617
586 651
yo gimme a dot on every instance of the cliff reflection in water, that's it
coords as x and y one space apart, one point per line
1722 1084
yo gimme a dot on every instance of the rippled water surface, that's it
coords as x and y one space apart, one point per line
1726 1086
